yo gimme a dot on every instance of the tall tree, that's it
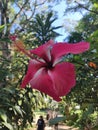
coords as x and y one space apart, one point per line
85 93
17 104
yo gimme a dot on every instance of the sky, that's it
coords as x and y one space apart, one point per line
66 20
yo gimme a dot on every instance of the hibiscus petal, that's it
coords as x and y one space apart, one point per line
33 66
61 49
43 51
42 82
63 76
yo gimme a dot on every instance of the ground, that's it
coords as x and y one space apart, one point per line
60 127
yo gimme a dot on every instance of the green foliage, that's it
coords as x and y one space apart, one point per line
74 37
2 28
41 29
85 117
85 93
56 120
16 107
16 104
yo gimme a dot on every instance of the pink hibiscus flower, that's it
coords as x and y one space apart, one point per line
48 73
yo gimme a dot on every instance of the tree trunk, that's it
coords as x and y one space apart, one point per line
4 46
4 34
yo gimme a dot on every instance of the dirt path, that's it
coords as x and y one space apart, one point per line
64 127
60 127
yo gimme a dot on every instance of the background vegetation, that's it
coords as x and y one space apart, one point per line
33 23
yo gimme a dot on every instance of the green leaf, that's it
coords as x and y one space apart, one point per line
49 16
3 116
17 109
56 120
8 125
40 22
2 28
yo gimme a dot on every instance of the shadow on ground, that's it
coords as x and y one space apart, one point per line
61 127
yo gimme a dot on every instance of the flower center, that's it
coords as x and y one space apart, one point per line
49 65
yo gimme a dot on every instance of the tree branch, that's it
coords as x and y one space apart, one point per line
19 12
33 12
87 8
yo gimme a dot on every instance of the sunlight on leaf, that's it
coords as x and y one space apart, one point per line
8 125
